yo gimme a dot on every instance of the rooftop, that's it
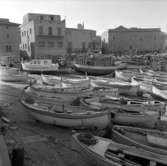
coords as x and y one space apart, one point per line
133 29
5 21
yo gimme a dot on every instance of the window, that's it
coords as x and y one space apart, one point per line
59 31
41 17
40 30
83 45
59 44
51 44
69 44
22 34
50 31
30 31
7 36
41 44
8 48
51 18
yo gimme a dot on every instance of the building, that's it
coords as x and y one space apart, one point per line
43 36
9 42
132 40
82 40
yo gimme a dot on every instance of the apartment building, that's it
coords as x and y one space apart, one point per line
136 40
9 42
43 36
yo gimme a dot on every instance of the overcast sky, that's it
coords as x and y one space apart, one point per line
99 15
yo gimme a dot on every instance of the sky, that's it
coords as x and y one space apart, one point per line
99 15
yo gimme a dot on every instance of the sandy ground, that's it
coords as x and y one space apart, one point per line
44 145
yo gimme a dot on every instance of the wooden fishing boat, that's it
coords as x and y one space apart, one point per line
134 105
126 75
12 75
122 86
40 66
105 152
62 94
66 115
161 93
97 70
123 115
76 82
150 140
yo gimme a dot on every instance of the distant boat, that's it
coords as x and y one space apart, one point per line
151 140
122 86
105 152
136 117
125 75
12 75
65 115
75 82
45 66
97 70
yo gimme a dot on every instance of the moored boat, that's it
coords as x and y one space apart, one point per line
105 152
150 140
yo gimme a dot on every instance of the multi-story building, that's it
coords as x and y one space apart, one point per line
43 36
82 40
132 40
9 41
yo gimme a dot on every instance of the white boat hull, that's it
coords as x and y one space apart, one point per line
142 120
99 120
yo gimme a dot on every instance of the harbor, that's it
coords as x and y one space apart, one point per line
83 83
42 114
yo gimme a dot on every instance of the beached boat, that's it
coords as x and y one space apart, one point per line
40 66
97 70
64 114
12 75
122 86
126 75
161 93
134 105
125 116
105 152
76 82
151 140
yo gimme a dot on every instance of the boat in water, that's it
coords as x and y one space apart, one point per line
64 114
105 152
